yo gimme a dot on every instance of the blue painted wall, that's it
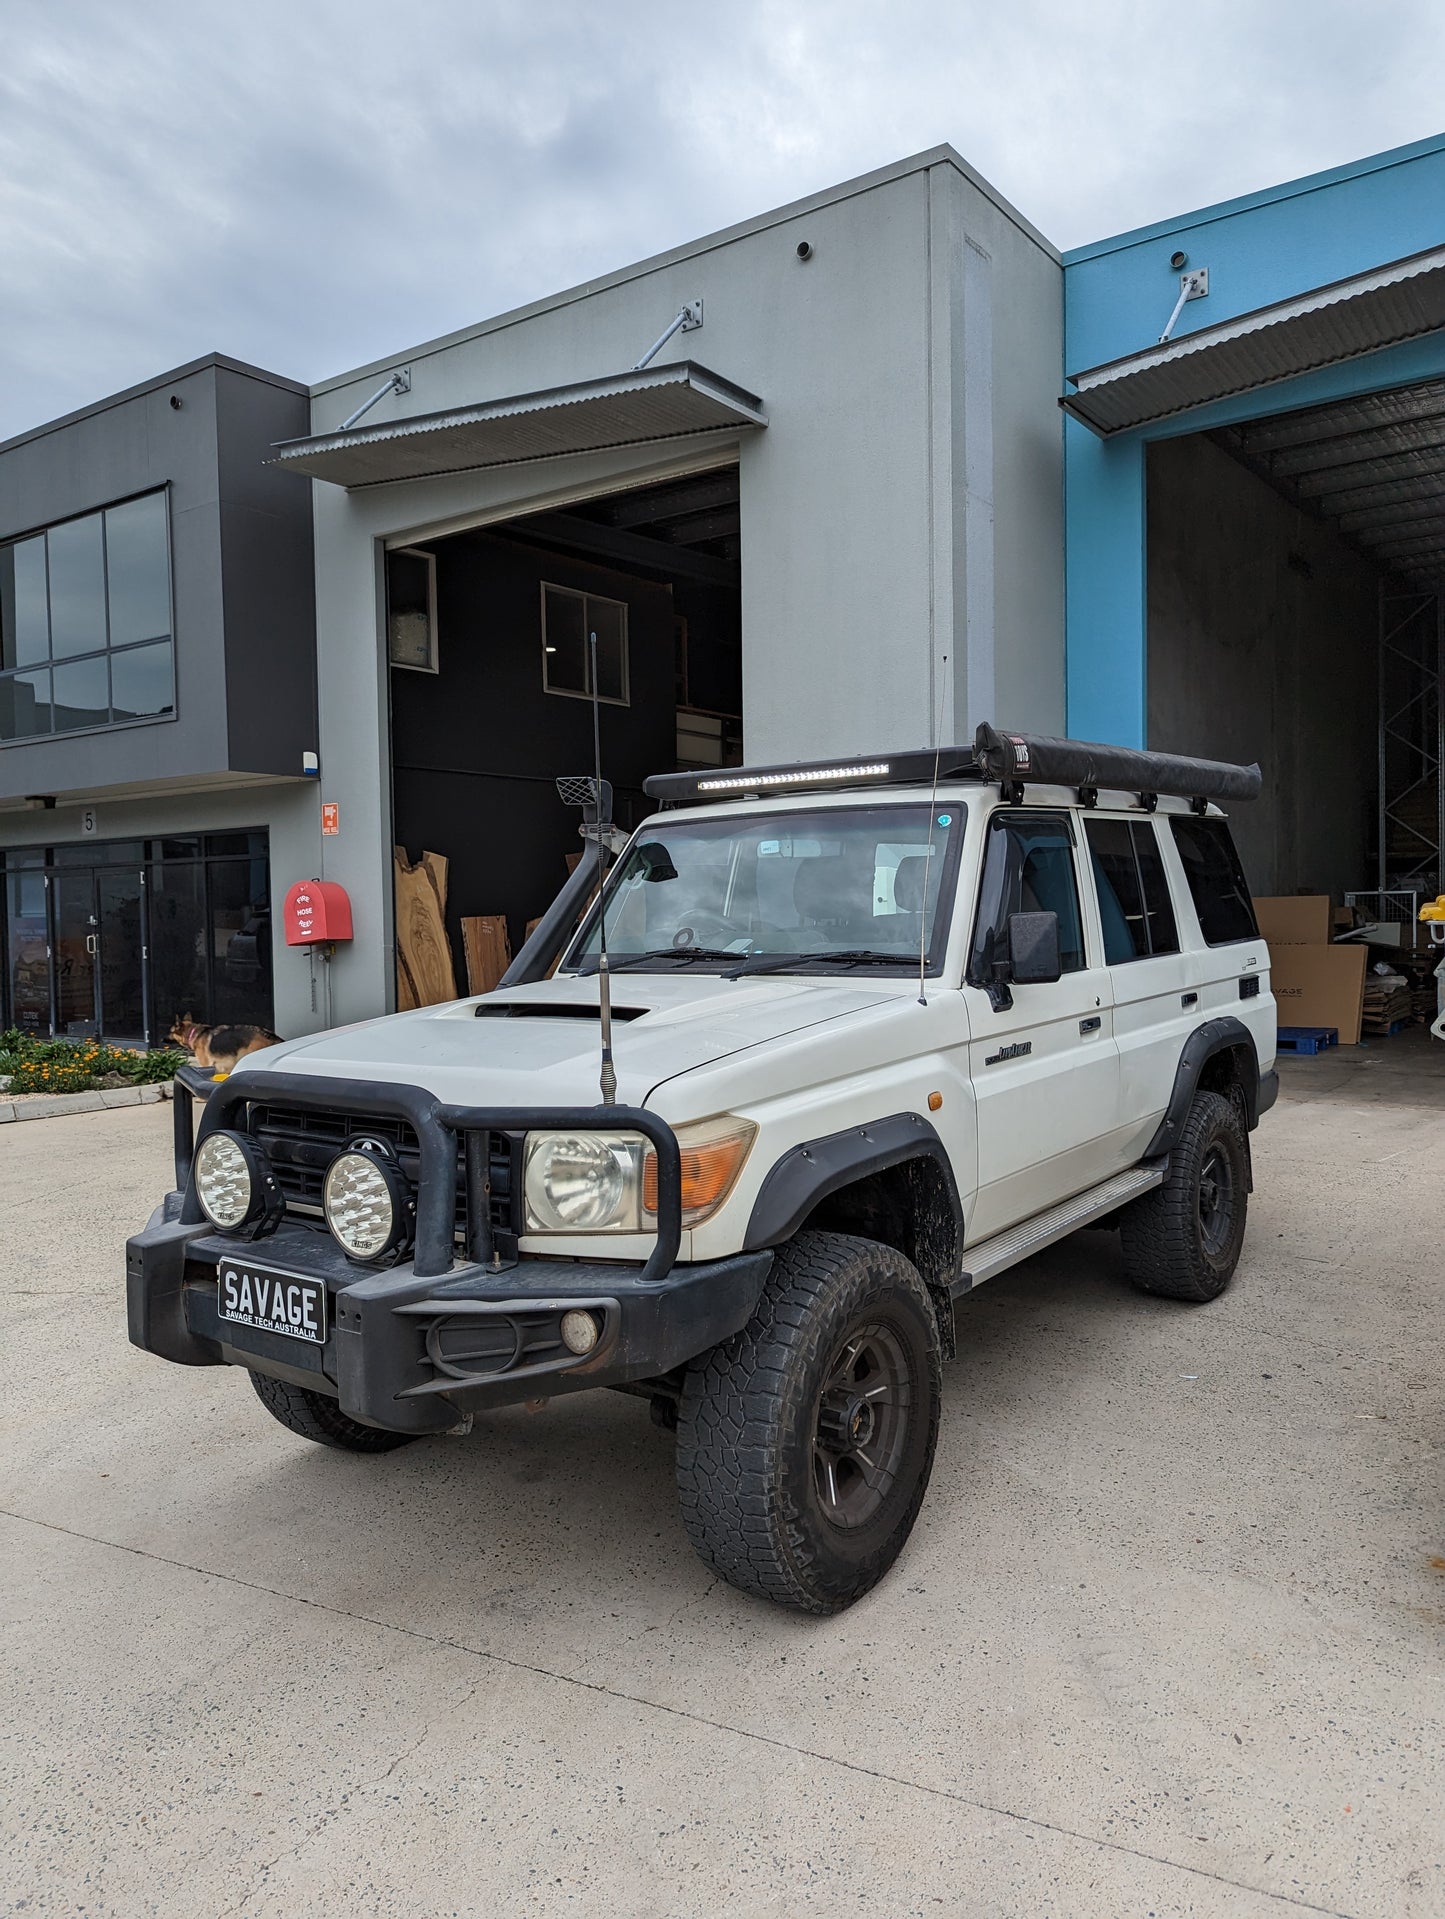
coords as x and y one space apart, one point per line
1117 295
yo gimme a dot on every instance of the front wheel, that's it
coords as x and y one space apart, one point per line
317 1416
1184 1239
805 1441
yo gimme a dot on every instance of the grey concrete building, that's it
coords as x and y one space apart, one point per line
157 701
831 514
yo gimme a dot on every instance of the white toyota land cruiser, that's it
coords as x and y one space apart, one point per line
878 1031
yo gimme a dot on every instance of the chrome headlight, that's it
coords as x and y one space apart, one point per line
235 1185
584 1183
368 1204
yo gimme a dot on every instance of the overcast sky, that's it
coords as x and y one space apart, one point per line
310 184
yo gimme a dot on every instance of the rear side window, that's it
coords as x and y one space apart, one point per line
1134 904
1028 867
1216 880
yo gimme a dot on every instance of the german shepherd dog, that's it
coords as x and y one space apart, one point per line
217 1048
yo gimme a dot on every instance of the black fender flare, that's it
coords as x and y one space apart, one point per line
1203 1044
810 1171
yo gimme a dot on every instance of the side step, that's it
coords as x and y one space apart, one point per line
994 1256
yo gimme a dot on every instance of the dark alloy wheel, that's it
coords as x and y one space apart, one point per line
1184 1239
317 1416
860 1437
805 1442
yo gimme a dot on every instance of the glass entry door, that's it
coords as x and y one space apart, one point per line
75 951
99 953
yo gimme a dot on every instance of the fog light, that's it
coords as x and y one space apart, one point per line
579 1332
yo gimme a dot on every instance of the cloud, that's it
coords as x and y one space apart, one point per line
315 184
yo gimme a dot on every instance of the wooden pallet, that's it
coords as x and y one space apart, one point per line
1306 1039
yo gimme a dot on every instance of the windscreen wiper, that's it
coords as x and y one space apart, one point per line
795 962
618 962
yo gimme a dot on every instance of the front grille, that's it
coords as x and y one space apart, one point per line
302 1141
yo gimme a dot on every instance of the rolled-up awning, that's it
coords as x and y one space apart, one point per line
628 409
1337 322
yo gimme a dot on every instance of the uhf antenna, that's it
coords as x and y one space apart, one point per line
604 833
928 858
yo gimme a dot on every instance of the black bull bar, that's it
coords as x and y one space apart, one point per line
439 1129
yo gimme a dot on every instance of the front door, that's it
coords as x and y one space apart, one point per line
99 953
1045 1066
75 953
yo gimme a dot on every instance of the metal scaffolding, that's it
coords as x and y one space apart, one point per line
1411 839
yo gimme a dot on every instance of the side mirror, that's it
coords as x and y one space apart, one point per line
1033 944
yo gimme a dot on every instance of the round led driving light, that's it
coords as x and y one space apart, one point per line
227 1181
367 1203
579 1331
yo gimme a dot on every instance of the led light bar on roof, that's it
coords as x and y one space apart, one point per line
798 776
1012 761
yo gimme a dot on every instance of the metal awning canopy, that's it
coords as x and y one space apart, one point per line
628 409
1338 322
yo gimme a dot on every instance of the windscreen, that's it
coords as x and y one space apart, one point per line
866 885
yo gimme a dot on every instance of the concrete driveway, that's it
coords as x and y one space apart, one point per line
1167 1639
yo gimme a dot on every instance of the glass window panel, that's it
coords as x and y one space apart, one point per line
182 849
177 896
82 695
250 845
564 641
1216 880
240 941
27 951
1163 934
25 704
1116 880
114 852
77 587
137 570
24 617
1028 868
608 620
410 591
141 684
795 885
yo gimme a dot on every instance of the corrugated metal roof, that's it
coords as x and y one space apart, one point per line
1338 322
1373 467
661 403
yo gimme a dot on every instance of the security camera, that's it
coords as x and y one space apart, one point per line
805 249
1179 261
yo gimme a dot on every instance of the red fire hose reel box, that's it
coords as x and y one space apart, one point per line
317 913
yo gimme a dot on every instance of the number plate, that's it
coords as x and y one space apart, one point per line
272 1302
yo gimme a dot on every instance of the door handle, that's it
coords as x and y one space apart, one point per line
1188 999
1091 1025
92 944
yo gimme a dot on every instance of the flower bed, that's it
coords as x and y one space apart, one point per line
79 1066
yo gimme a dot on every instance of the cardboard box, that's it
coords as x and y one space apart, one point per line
1298 919
1320 986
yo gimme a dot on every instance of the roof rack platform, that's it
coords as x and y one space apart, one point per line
1008 760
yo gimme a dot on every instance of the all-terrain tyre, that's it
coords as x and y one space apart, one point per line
805 1442
315 1416
1183 1240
